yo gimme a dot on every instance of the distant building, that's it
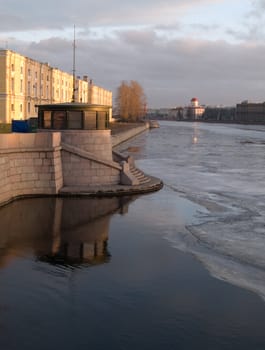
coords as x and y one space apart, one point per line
219 114
247 112
25 83
176 113
157 113
194 111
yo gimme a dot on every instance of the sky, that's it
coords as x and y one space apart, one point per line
176 49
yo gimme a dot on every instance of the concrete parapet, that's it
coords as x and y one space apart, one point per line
18 141
128 134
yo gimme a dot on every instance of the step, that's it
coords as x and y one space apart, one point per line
141 177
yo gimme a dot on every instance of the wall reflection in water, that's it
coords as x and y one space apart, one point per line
70 231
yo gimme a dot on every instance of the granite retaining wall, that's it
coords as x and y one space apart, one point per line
43 163
30 164
128 134
87 158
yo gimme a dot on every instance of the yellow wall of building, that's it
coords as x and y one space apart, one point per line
25 82
2 86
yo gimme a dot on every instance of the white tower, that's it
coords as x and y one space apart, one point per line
194 102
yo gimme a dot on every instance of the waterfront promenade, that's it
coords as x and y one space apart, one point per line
120 132
42 164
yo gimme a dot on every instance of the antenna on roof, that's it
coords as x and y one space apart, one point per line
74 47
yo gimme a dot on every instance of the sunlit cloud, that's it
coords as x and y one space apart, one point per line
174 48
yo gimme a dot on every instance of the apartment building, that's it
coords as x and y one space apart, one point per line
25 83
249 112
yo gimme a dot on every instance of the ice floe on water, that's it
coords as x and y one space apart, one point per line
224 173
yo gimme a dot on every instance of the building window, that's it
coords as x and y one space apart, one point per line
21 70
21 108
21 85
28 107
29 88
29 72
12 107
12 67
12 85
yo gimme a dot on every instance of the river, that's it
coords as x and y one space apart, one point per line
182 268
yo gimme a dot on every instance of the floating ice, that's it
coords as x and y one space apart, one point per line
224 173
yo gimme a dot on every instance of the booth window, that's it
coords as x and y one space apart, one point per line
47 121
59 120
90 120
101 120
75 120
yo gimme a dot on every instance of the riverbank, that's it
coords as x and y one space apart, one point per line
120 132
63 164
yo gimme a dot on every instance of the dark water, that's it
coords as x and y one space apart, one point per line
105 274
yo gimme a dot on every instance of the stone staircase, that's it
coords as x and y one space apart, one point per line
139 175
131 175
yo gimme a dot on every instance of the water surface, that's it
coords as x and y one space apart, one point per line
181 268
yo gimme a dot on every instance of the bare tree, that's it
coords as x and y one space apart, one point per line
131 101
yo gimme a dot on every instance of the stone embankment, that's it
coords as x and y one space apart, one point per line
138 182
30 164
124 131
55 163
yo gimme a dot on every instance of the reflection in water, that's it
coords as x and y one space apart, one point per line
196 133
64 231
194 139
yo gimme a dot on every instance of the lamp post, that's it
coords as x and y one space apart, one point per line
74 46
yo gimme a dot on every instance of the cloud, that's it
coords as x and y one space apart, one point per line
171 71
60 14
205 27
252 28
150 41
257 8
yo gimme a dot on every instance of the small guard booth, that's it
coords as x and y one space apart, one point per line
85 140
73 116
